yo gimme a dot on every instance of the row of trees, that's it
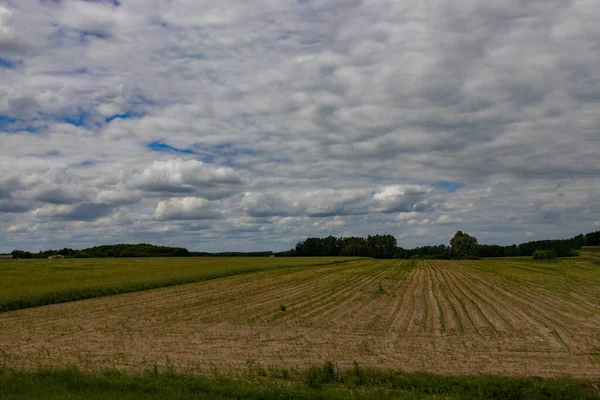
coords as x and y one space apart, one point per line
378 246
561 248
117 250
462 246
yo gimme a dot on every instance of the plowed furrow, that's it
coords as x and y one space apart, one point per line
403 314
248 306
471 312
453 320
435 315
576 301
545 302
361 290
534 315
486 306
420 311
395 299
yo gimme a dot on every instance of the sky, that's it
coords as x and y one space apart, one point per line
251 125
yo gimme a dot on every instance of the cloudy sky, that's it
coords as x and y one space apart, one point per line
250 125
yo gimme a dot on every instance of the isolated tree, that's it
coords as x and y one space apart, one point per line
463 245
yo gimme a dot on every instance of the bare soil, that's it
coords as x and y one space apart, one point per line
436 316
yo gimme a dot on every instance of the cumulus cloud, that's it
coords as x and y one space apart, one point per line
118 121
79 212
179 176
447 220
336 202
12 207
8 40
186 208
402 198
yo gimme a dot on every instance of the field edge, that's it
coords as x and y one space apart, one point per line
84 293
256 382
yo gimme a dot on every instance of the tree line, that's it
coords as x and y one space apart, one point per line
116 250
377 246
461 246
561 248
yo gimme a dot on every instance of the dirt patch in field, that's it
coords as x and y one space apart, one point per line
435 316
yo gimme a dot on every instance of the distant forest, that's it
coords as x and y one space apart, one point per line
377 246
385 246
115 250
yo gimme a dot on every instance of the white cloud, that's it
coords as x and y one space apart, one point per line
401 198
447 220
179 176
382 115
191 208
6 31
407 215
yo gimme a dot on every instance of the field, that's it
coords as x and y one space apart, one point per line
590 251
31 283
491 317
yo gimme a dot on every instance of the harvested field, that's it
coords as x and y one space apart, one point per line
502 316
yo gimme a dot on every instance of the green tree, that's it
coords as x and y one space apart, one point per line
21 254
463 245
332 246
382 246
312 247
354 246
544 254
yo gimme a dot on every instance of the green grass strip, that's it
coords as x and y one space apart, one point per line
324 382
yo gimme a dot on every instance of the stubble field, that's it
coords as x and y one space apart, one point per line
501 317
37 282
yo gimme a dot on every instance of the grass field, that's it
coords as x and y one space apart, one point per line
322 382
31 283
508 317
590 251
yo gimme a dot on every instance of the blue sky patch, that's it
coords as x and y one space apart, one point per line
449 186
115 3
165 148
76 71
10 124
87 35
63 36
76 119
224 154
7 63
128 114
6 120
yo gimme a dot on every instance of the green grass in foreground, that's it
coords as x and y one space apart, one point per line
316 383
32 283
